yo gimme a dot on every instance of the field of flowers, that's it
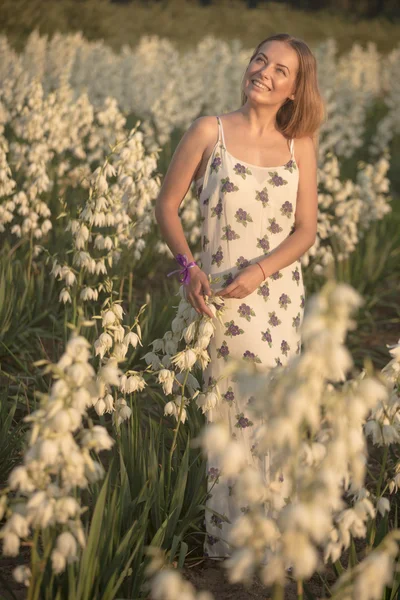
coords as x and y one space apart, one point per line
103 433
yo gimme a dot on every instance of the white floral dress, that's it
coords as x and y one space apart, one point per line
246 211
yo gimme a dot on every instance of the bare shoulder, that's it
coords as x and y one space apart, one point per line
304 150
205 128
205 134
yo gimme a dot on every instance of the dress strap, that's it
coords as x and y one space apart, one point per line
291 147
221 131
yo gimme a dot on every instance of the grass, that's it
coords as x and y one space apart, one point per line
186 22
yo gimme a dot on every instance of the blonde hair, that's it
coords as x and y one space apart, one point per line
304 115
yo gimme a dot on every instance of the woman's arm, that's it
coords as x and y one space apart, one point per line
181 171
294 245
306 216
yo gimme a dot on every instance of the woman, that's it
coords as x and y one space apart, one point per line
258 219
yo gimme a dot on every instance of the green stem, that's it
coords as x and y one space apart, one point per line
300 589
34 583
30 257
177 427
277 593
382 473
173 445
378 494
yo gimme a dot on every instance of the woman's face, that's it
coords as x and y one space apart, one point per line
271 75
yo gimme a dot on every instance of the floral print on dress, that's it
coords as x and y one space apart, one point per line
263 291
284 300
213 474
276 180
229 234
291 166
229 396
241 170
227 279
223 351
274 226
251 357
228 186
287 209
263 197
242 262
267 337
217 521
232 329
274 320
296 276
216 163
263 243
246 311
243 421
243 217
246 212
218 256
296 321
217 210
276 275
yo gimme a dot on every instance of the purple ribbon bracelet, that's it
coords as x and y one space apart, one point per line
183 261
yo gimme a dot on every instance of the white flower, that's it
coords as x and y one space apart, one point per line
64 296
119 351
207 401
100 406
123 411
166 378
109 318
66 544
166 585
131 338
66 508
184 359
170 409
383 505
109 402
17 524
19 478
58 561
22 574
10 544
48 451
110 373
132 383
117 309
97 438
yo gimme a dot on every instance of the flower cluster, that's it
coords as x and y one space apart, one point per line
58 461
115 215
113 345
173 367
312 430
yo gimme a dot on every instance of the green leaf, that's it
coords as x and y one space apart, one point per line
179 493
90 556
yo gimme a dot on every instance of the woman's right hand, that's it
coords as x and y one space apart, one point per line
197 287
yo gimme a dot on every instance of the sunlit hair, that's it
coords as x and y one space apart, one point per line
304 115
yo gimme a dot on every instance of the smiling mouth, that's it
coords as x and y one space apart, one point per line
260 85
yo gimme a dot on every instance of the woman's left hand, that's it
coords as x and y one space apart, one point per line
244 283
